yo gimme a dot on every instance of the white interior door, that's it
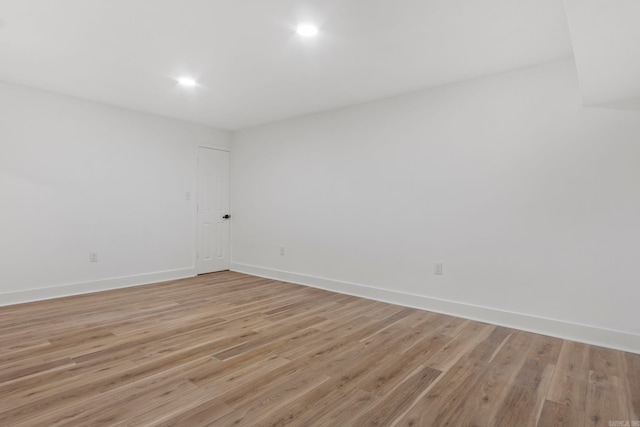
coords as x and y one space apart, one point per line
213 211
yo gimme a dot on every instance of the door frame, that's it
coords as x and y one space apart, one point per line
195 199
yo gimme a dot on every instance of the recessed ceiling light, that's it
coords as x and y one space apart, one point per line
187 81
307 30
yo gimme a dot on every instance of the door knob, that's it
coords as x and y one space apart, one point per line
226 216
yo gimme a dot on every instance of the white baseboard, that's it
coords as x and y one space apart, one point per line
31 295
619 340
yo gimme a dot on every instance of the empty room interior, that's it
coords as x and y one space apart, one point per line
320 212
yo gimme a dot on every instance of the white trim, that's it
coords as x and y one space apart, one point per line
39 294
214 147
619 340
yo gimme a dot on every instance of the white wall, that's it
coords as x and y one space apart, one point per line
531 201
77 177
602 35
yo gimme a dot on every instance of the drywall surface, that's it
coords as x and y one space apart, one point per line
528 199
604 35
78 177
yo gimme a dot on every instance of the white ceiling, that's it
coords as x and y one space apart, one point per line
606 43
251 66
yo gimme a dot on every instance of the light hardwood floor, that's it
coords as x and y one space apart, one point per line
231 349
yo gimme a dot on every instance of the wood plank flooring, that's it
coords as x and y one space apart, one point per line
229 349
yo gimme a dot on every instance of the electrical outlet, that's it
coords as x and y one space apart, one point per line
438 269
282 250
93 256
